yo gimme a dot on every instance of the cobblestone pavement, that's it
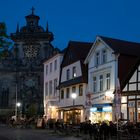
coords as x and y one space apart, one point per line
7 133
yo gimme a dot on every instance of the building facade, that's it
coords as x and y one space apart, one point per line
73 83
51 82
21 72
108 60
101 81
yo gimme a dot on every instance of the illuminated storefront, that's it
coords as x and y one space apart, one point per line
69 115
101 112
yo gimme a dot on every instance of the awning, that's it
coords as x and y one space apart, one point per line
52 103
102 105
71 107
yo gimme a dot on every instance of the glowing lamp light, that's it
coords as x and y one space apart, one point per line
73 95
18 104
107 109
109 94
123 99
93 109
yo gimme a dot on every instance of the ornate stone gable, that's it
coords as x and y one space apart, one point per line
23 66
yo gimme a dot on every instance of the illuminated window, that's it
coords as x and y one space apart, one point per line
74 72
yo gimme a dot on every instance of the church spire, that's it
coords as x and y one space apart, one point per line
33 9
17 31
47 27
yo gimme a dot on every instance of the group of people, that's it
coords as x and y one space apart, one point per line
107 130
103 130
97 130
23 122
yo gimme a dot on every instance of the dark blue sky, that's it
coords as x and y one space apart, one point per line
79 20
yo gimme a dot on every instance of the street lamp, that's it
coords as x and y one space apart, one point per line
18 104
73 96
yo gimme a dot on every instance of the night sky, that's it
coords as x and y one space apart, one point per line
77 20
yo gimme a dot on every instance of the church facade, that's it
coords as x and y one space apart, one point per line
21 71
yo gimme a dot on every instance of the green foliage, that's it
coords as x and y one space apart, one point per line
32 110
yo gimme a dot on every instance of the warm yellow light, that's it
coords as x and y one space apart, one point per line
123 99
107 117
109 94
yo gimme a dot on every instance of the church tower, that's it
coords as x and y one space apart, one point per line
32 46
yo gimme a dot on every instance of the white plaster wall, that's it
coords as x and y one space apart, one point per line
70 67
55 74
101 69
80 100
133 79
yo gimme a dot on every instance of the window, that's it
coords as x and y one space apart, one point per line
108 81
50 87
55 86
46 89
50 67
74 72
80 90
68 74
4 97
101 82
46 69
97 58
62 94
55 65
104 56
74 89
67 93
94 85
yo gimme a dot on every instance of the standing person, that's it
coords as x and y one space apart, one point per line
89 129
104 131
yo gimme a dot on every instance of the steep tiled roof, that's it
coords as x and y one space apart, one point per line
122 47
71 82
76 51
129 57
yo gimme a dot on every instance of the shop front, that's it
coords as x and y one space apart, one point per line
130 108
71 115
101 112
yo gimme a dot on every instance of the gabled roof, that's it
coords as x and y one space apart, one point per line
122 47
128 59
76 51
129 56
